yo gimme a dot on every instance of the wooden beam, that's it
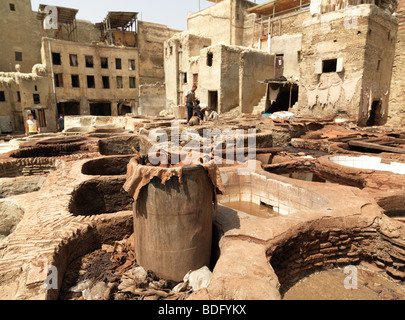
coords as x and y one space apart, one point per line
375 146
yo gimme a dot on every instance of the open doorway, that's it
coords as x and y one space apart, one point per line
286 98
100 109
375 118
124 109
69 108
213 100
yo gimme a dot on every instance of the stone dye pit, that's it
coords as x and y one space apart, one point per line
272 236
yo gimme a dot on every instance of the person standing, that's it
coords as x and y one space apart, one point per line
189 100
31 127
60 123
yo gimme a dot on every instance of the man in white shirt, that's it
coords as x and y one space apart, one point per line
31 126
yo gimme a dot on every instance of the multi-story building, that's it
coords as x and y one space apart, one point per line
51 64
330 58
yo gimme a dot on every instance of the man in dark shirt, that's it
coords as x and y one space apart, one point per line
60 123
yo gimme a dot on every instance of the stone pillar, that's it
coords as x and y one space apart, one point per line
396 112
84 106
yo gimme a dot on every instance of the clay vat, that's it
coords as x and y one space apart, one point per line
173 224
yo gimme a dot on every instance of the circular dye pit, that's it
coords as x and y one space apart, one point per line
332 285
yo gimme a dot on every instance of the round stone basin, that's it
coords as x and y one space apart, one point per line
330 285
108 166
371 163
10 217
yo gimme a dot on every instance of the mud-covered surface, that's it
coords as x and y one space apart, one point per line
330 285
106 274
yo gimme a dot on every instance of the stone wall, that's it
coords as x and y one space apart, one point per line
396 110
28 167
309 249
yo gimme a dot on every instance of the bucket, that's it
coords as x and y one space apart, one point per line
173 224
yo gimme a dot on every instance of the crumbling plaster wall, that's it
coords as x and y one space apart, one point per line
396 110
255 67
222 22
335 36
290 47
182 55
21 32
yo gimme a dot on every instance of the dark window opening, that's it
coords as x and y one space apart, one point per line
329 66
378 65
37 99
58 80
36 88
298 56
91 84
171 50
279 72
73 60
106 82
123 110
56 60
118 65
41 118
210 58
75 81
369 32
18 96
184 76
195 79
132 83
104 63
2 96
12 7
131 65
89 61
120 84
18 56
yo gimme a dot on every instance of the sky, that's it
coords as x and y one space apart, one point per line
172 13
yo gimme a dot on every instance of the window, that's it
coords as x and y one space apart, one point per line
73 60
120 85
37 99
89 61
75 81
2 96
195 79
132 82
56 60
106 82
18 56
12 7
329 65
378 65
41 118
104 63
118 64
35 88
184 77
210 58
18 96
58 80
171 50
91 83
131 65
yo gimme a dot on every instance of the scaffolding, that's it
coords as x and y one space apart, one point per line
66 22
120 28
